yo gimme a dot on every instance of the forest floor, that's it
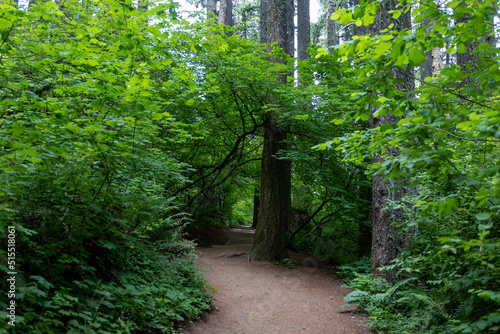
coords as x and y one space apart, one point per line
265 298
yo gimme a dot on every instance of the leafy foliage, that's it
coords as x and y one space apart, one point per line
85 162
448 142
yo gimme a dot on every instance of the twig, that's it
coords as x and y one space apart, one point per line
445 89
464 138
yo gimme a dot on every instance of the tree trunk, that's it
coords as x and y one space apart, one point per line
275 206
365 227
290 28
437 61
275 189
387 241
222 11
256 205
264 17
303 29
226 12
229 15
211 7
331 26
467 60
433 59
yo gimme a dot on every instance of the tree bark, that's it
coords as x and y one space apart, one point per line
275 205
303 29
211 7
256 204
290 28
433 58
275 189
426 67
388 241
229 9
331 26
226 12
264 17
365 227
467 60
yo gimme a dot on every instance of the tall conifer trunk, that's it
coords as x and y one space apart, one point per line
212 6
303 29
275 190
331 26
226 12
264 16
467 60
387 241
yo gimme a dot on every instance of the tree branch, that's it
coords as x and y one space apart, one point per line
463 138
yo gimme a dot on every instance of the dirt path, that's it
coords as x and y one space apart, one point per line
263 298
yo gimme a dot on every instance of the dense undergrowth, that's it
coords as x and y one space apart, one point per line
448 280
95 242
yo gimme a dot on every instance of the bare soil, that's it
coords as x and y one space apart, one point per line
265 298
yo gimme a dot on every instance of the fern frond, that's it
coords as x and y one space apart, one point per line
357 297
388 296
464 310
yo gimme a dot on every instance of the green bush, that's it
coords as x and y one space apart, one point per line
84 167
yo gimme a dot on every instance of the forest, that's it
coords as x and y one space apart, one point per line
369 139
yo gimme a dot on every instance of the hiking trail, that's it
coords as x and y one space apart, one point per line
264 298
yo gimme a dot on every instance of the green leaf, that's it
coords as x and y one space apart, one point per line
396 14
448 207
382 48
404 121
416 57
461 48
482 216
385 128
465 125
346 18
483 46
368 19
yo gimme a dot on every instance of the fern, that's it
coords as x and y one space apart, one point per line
464 310
420 303
388 296
357 297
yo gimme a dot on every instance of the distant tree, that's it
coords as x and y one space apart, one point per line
226 12
332 25
212 7
264 18
433 58
467 57
303 28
